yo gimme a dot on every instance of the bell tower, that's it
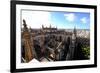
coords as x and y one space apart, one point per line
72 46
73 43
28 43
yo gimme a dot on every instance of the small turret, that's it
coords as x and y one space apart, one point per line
42 27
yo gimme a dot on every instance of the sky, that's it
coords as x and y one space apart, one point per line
61 20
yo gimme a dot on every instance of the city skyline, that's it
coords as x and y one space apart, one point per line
61 20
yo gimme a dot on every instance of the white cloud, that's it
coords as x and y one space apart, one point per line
84 20
36 19
70 17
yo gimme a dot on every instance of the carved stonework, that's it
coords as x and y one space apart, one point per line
28 44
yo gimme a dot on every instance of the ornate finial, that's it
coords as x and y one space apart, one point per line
24 23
